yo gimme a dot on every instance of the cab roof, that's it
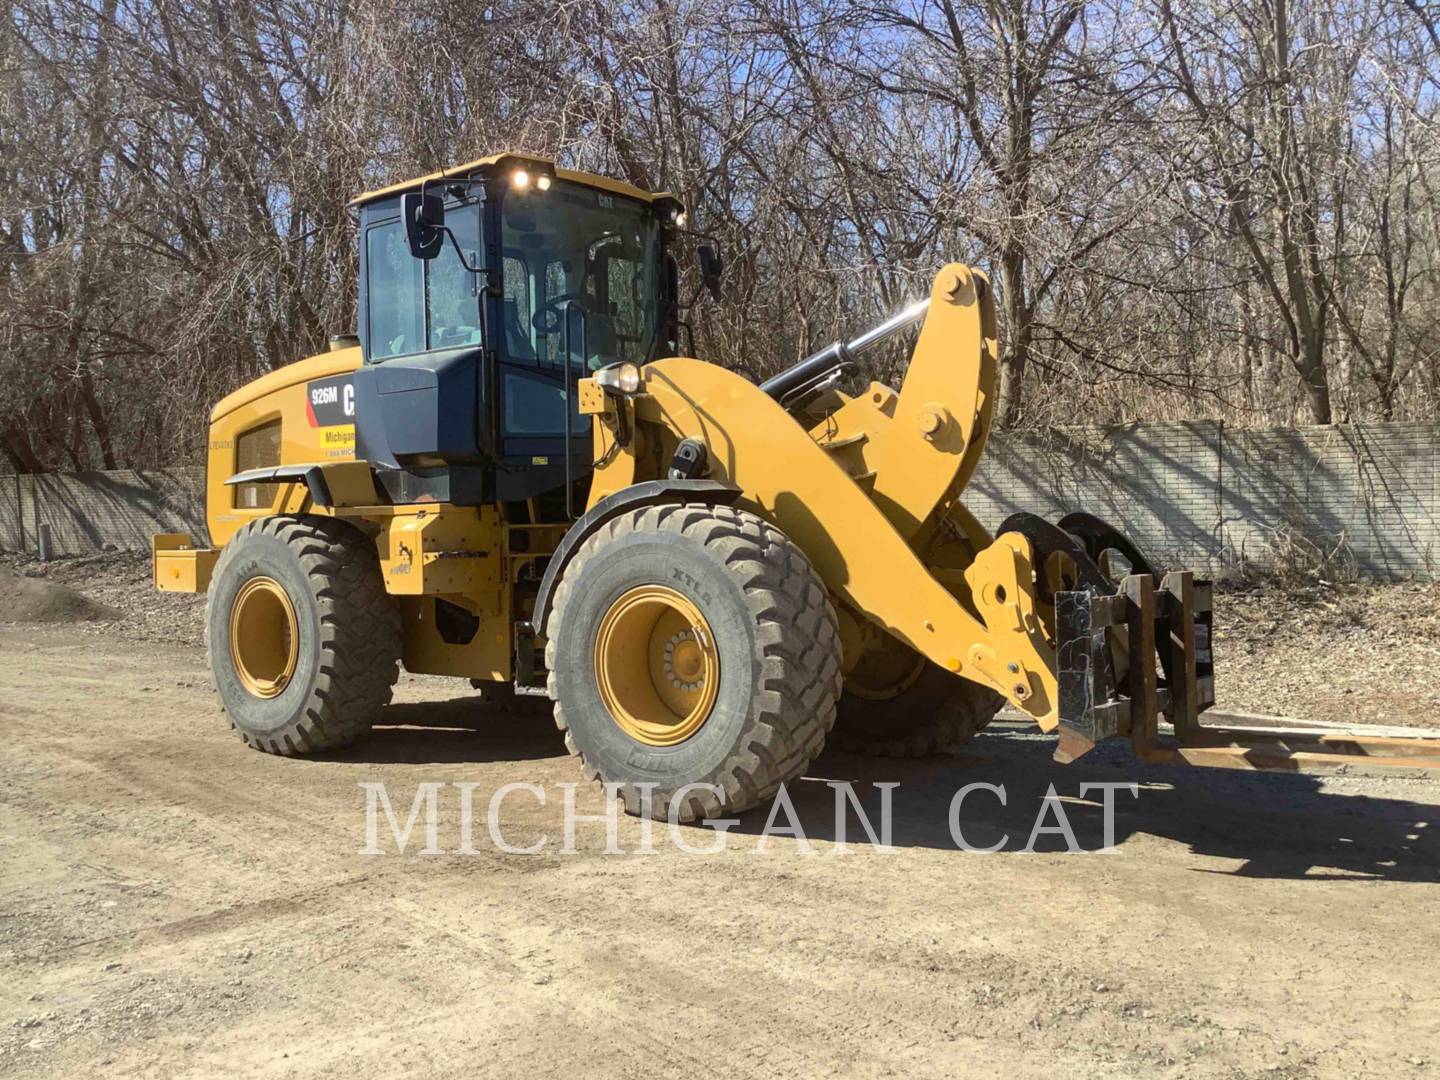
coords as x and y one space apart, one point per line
499 161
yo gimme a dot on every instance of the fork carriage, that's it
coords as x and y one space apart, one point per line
1127 659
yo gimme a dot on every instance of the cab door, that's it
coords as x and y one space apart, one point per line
544 356
418 396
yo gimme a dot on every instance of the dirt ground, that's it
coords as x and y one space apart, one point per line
172 903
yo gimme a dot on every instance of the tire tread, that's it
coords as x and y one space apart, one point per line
798 651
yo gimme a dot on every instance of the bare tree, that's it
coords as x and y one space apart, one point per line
1266 91
1203 209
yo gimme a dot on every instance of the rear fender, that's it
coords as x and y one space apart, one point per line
326 484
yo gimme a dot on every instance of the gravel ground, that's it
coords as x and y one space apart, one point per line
174 904
122 580
1342 653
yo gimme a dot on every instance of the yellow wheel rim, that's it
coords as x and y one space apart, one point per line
656 665
264 637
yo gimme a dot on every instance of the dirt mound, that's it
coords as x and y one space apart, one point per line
26 599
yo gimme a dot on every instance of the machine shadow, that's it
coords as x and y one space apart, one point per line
459 731
1273 825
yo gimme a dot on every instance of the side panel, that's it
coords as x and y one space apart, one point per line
313 400
486 655
440 549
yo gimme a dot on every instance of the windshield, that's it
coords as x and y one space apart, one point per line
585 261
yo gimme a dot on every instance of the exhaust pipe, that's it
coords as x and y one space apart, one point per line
834 358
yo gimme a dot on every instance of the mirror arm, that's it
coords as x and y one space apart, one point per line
477 268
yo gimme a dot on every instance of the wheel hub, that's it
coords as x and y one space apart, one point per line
684 661
264 637
656 665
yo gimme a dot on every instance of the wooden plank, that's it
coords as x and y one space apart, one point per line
1184 694
1273 759
1139 591
1340 744
1247 721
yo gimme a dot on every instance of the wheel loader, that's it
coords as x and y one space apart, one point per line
510 475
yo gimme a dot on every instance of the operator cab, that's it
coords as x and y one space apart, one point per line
486 292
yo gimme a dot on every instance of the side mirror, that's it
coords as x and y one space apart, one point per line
424 216
711 267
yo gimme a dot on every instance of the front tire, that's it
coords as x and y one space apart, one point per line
690 645
304 642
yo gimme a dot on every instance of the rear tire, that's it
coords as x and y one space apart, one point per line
731 599
304 642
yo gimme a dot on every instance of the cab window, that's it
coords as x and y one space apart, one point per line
394 281
452 293
416 304
582 264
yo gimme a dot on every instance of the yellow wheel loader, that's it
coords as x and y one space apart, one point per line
510 476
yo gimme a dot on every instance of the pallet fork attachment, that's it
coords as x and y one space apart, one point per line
1126 659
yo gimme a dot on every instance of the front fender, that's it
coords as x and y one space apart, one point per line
646 493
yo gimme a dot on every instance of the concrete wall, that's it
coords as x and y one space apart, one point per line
87 511
1355 500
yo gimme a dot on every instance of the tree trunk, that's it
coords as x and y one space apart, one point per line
1016 353
98 422
18 449
1317 383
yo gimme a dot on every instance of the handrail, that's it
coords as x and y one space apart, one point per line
570 397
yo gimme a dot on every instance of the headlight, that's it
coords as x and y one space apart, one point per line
542 182
678 218
520 179
622 378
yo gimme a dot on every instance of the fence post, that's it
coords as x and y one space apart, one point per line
19 516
